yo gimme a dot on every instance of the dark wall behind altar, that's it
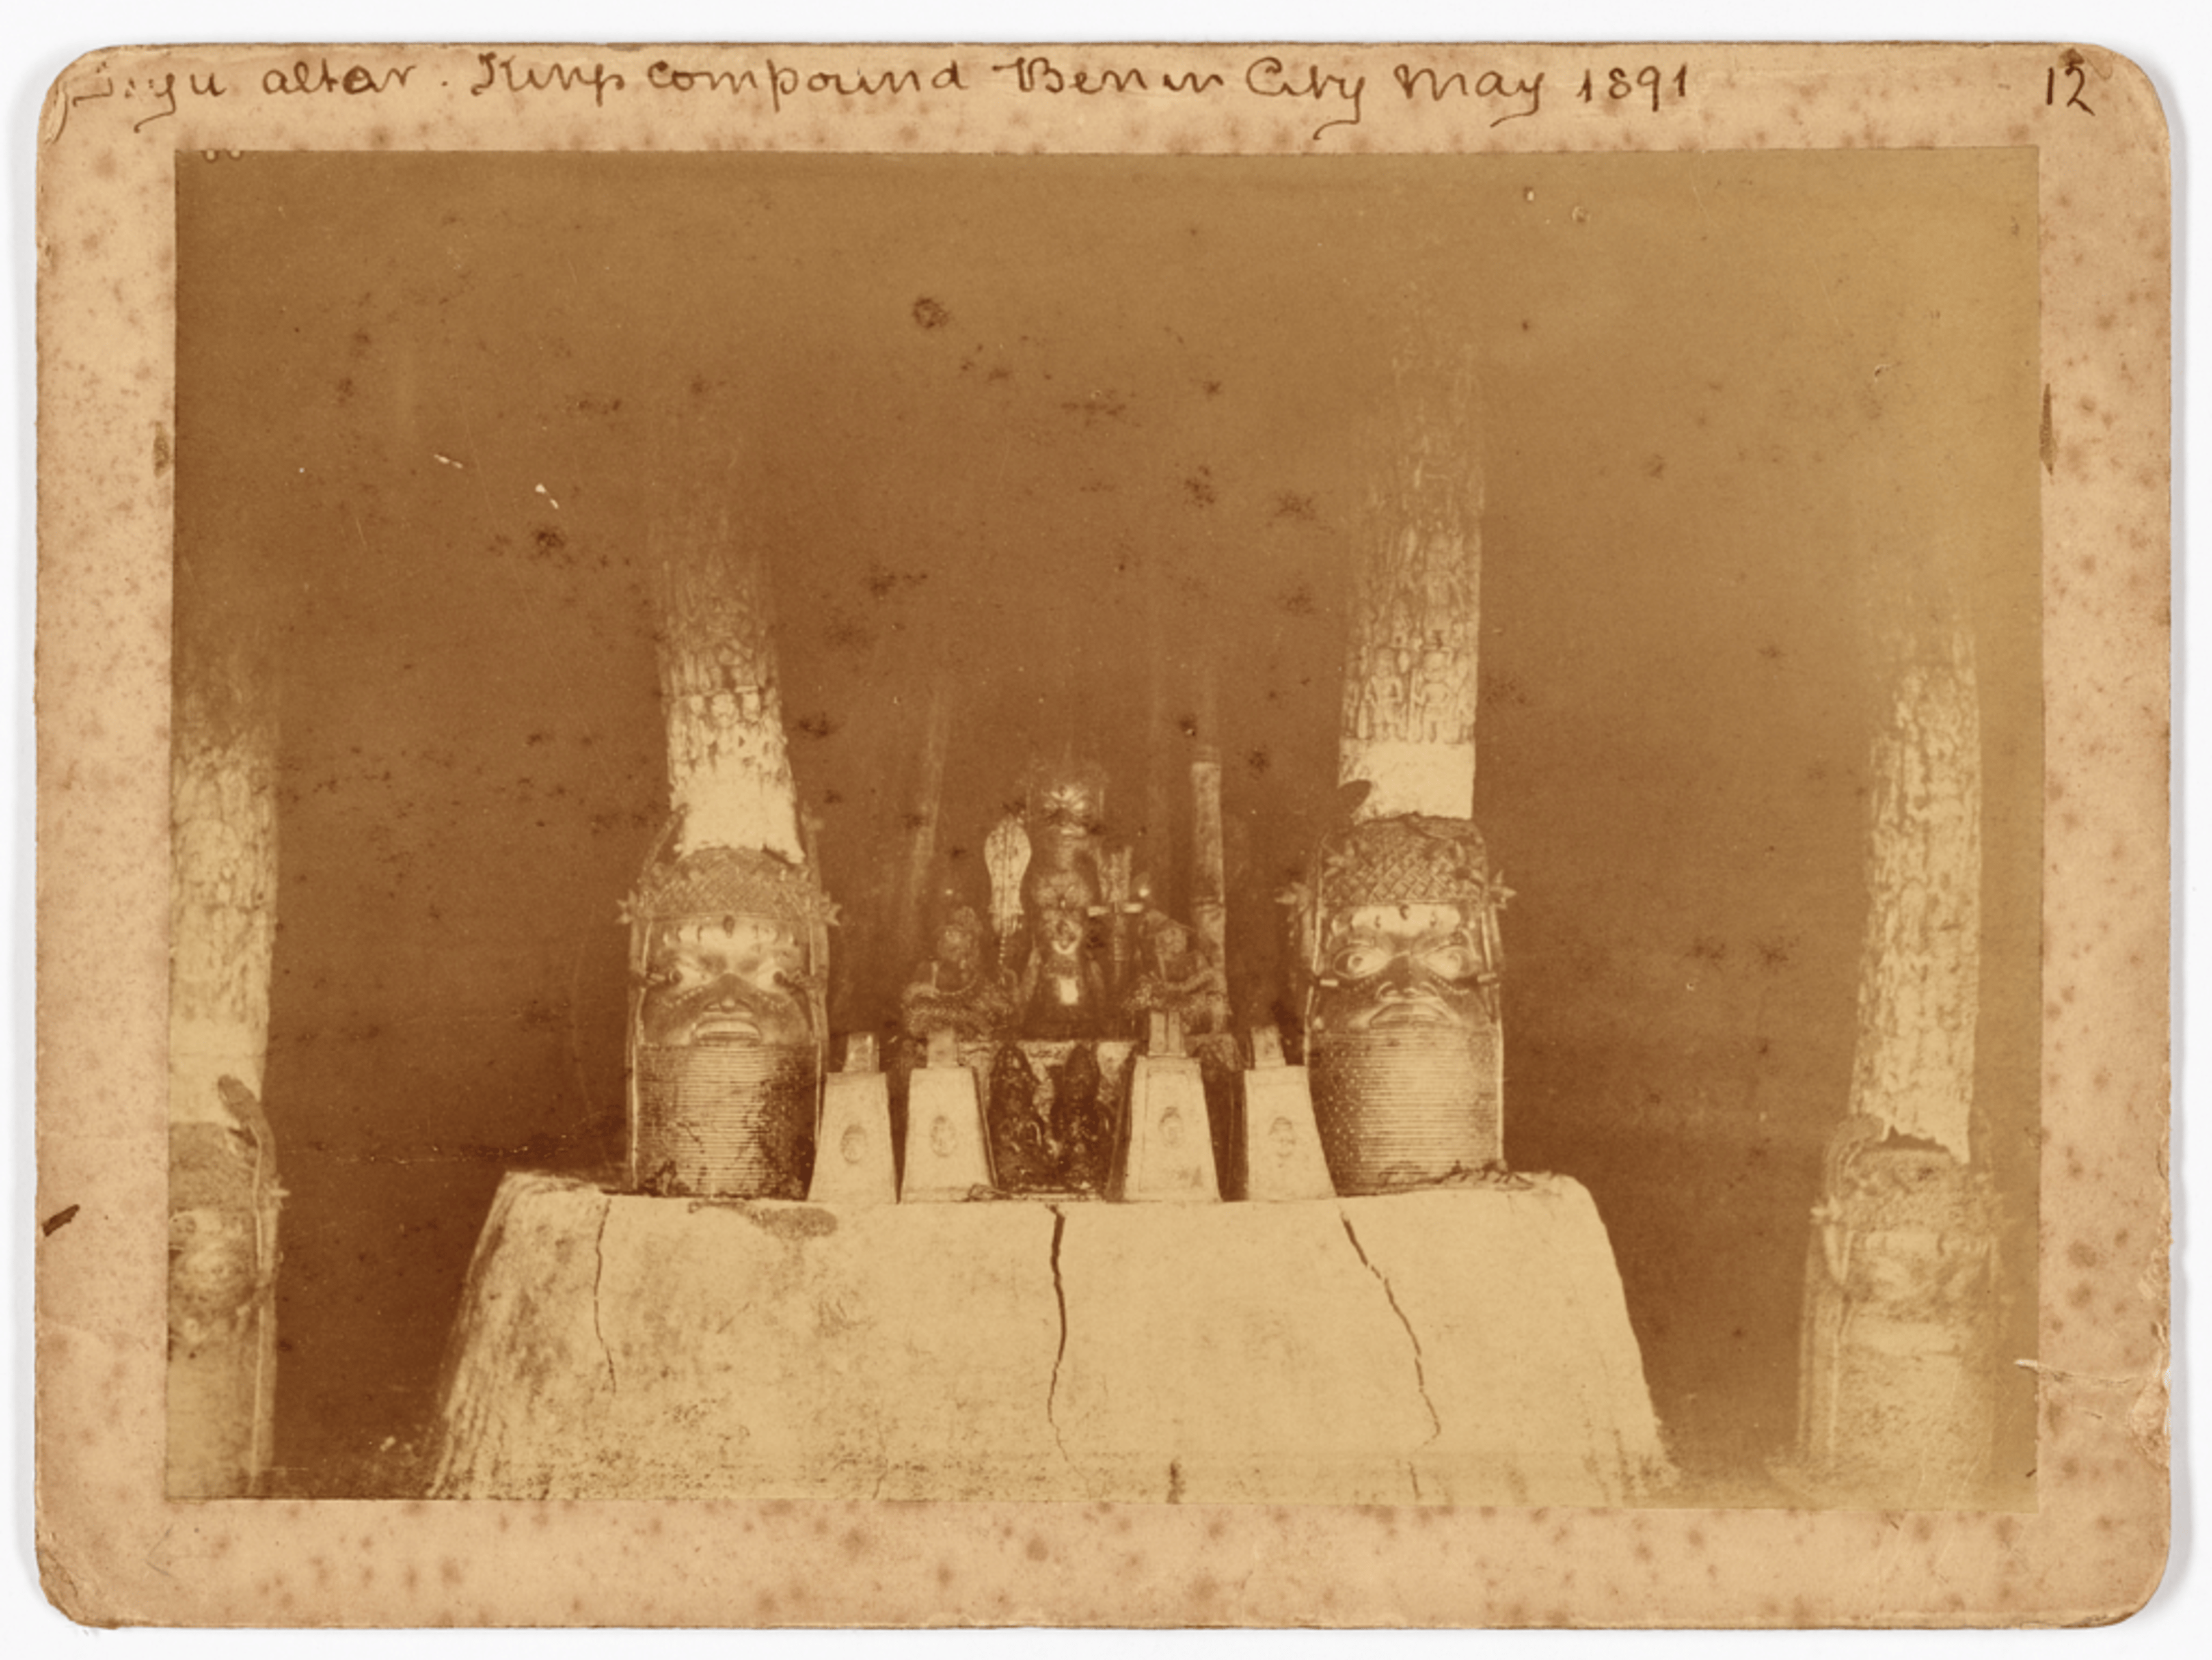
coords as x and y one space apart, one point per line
1058 435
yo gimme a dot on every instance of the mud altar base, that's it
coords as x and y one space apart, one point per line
1465 1346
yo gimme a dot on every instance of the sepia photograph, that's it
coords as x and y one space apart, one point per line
1229 829
1174 835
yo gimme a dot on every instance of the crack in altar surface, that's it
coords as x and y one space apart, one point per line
1059 1296
598 1275
1420 1372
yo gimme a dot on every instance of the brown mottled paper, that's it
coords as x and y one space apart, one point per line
1847 133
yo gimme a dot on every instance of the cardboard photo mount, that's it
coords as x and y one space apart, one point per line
117 127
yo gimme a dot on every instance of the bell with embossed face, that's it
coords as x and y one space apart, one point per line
725 1062
1402 1033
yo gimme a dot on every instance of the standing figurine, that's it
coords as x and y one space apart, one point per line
1178 972
1062 988
1062 991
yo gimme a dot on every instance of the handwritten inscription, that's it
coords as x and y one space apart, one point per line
1485 86
1620 85
1333 96
499 72
353 81
1266 77
151 98
1043 75
1341 96
780 81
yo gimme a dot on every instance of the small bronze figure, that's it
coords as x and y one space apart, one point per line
1178 972
960 988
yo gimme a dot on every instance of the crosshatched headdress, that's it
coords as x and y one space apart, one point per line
1406 861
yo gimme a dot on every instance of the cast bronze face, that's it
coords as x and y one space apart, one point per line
959 955
1061 900
1063 929
1171 947
1400 966
1069 808
724 979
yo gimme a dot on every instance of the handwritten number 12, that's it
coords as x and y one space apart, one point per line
2073 98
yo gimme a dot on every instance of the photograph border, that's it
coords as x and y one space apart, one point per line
113 1551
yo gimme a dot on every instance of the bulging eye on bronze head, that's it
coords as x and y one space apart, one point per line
1449 960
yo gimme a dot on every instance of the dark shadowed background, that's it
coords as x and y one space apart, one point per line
1058 434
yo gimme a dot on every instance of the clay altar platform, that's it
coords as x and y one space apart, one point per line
1462 1346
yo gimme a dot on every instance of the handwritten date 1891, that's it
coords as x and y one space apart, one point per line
1620 85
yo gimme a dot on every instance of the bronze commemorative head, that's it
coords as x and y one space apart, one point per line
1402 1018
727 1028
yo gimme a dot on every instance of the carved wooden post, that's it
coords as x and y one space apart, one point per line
1404 1040
1920 962
729 936
729 770
1897 1385
1407 728
223 1193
